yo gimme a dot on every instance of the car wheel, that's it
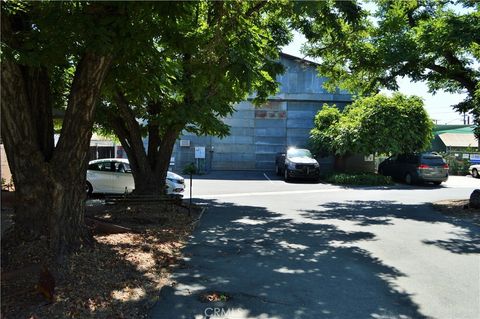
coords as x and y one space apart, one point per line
88 188
408 179
285 175
277 170
475 173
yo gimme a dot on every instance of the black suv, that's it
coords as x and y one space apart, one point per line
297 163
415 168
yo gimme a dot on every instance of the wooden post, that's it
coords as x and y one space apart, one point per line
190 205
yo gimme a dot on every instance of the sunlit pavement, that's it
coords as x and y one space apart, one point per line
312 250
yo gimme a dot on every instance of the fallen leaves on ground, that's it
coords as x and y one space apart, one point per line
214 296
458 208
120 277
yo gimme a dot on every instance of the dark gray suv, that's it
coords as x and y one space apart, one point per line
415 168
295 163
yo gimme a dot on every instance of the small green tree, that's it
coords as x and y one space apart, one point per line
376 124
321 136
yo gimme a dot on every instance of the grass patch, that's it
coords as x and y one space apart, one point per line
365 179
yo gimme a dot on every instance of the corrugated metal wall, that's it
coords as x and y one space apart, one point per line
236 151
257 134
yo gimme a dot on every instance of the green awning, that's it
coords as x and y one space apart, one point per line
454 129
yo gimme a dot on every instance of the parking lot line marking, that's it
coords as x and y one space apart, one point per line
310 191
264 174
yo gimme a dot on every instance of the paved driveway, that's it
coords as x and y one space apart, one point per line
302 250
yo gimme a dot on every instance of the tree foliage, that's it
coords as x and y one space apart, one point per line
159 66
214 55
323 133
435 41
376 124
189 77
193 73
57 55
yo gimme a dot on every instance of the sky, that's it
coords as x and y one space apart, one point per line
438 106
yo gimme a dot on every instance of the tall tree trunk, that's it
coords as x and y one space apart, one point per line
145 181
153 130
71 154
123 122
50 183
149 167
164 153
21 135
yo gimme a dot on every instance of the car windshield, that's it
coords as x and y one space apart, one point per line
298 153
433 160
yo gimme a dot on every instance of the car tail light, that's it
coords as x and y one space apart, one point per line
423 166
445 166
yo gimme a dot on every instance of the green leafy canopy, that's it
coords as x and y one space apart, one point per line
435 41
375 124
202 58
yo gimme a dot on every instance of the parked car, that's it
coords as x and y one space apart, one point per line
475 170
297 163
415 168
114 176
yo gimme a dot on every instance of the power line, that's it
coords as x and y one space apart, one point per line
460 120
453 112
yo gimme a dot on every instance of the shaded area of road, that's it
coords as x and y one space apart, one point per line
334 261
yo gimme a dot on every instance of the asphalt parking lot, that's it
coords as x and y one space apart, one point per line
313 250
235 183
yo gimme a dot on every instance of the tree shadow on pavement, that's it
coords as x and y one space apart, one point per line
273 267
468 245
466 236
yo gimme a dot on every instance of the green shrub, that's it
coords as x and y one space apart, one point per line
366 179
457 166
190 169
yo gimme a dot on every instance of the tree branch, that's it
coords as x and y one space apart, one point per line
132 127
117 123
256 8
153 110
78 121
460 76
39 92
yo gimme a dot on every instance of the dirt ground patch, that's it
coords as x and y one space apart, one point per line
119 277
458 208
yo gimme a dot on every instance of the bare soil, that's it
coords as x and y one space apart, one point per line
119 277
458 208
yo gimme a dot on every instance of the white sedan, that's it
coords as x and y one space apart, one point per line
475 170
114 176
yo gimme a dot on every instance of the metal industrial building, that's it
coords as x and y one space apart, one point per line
258 133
